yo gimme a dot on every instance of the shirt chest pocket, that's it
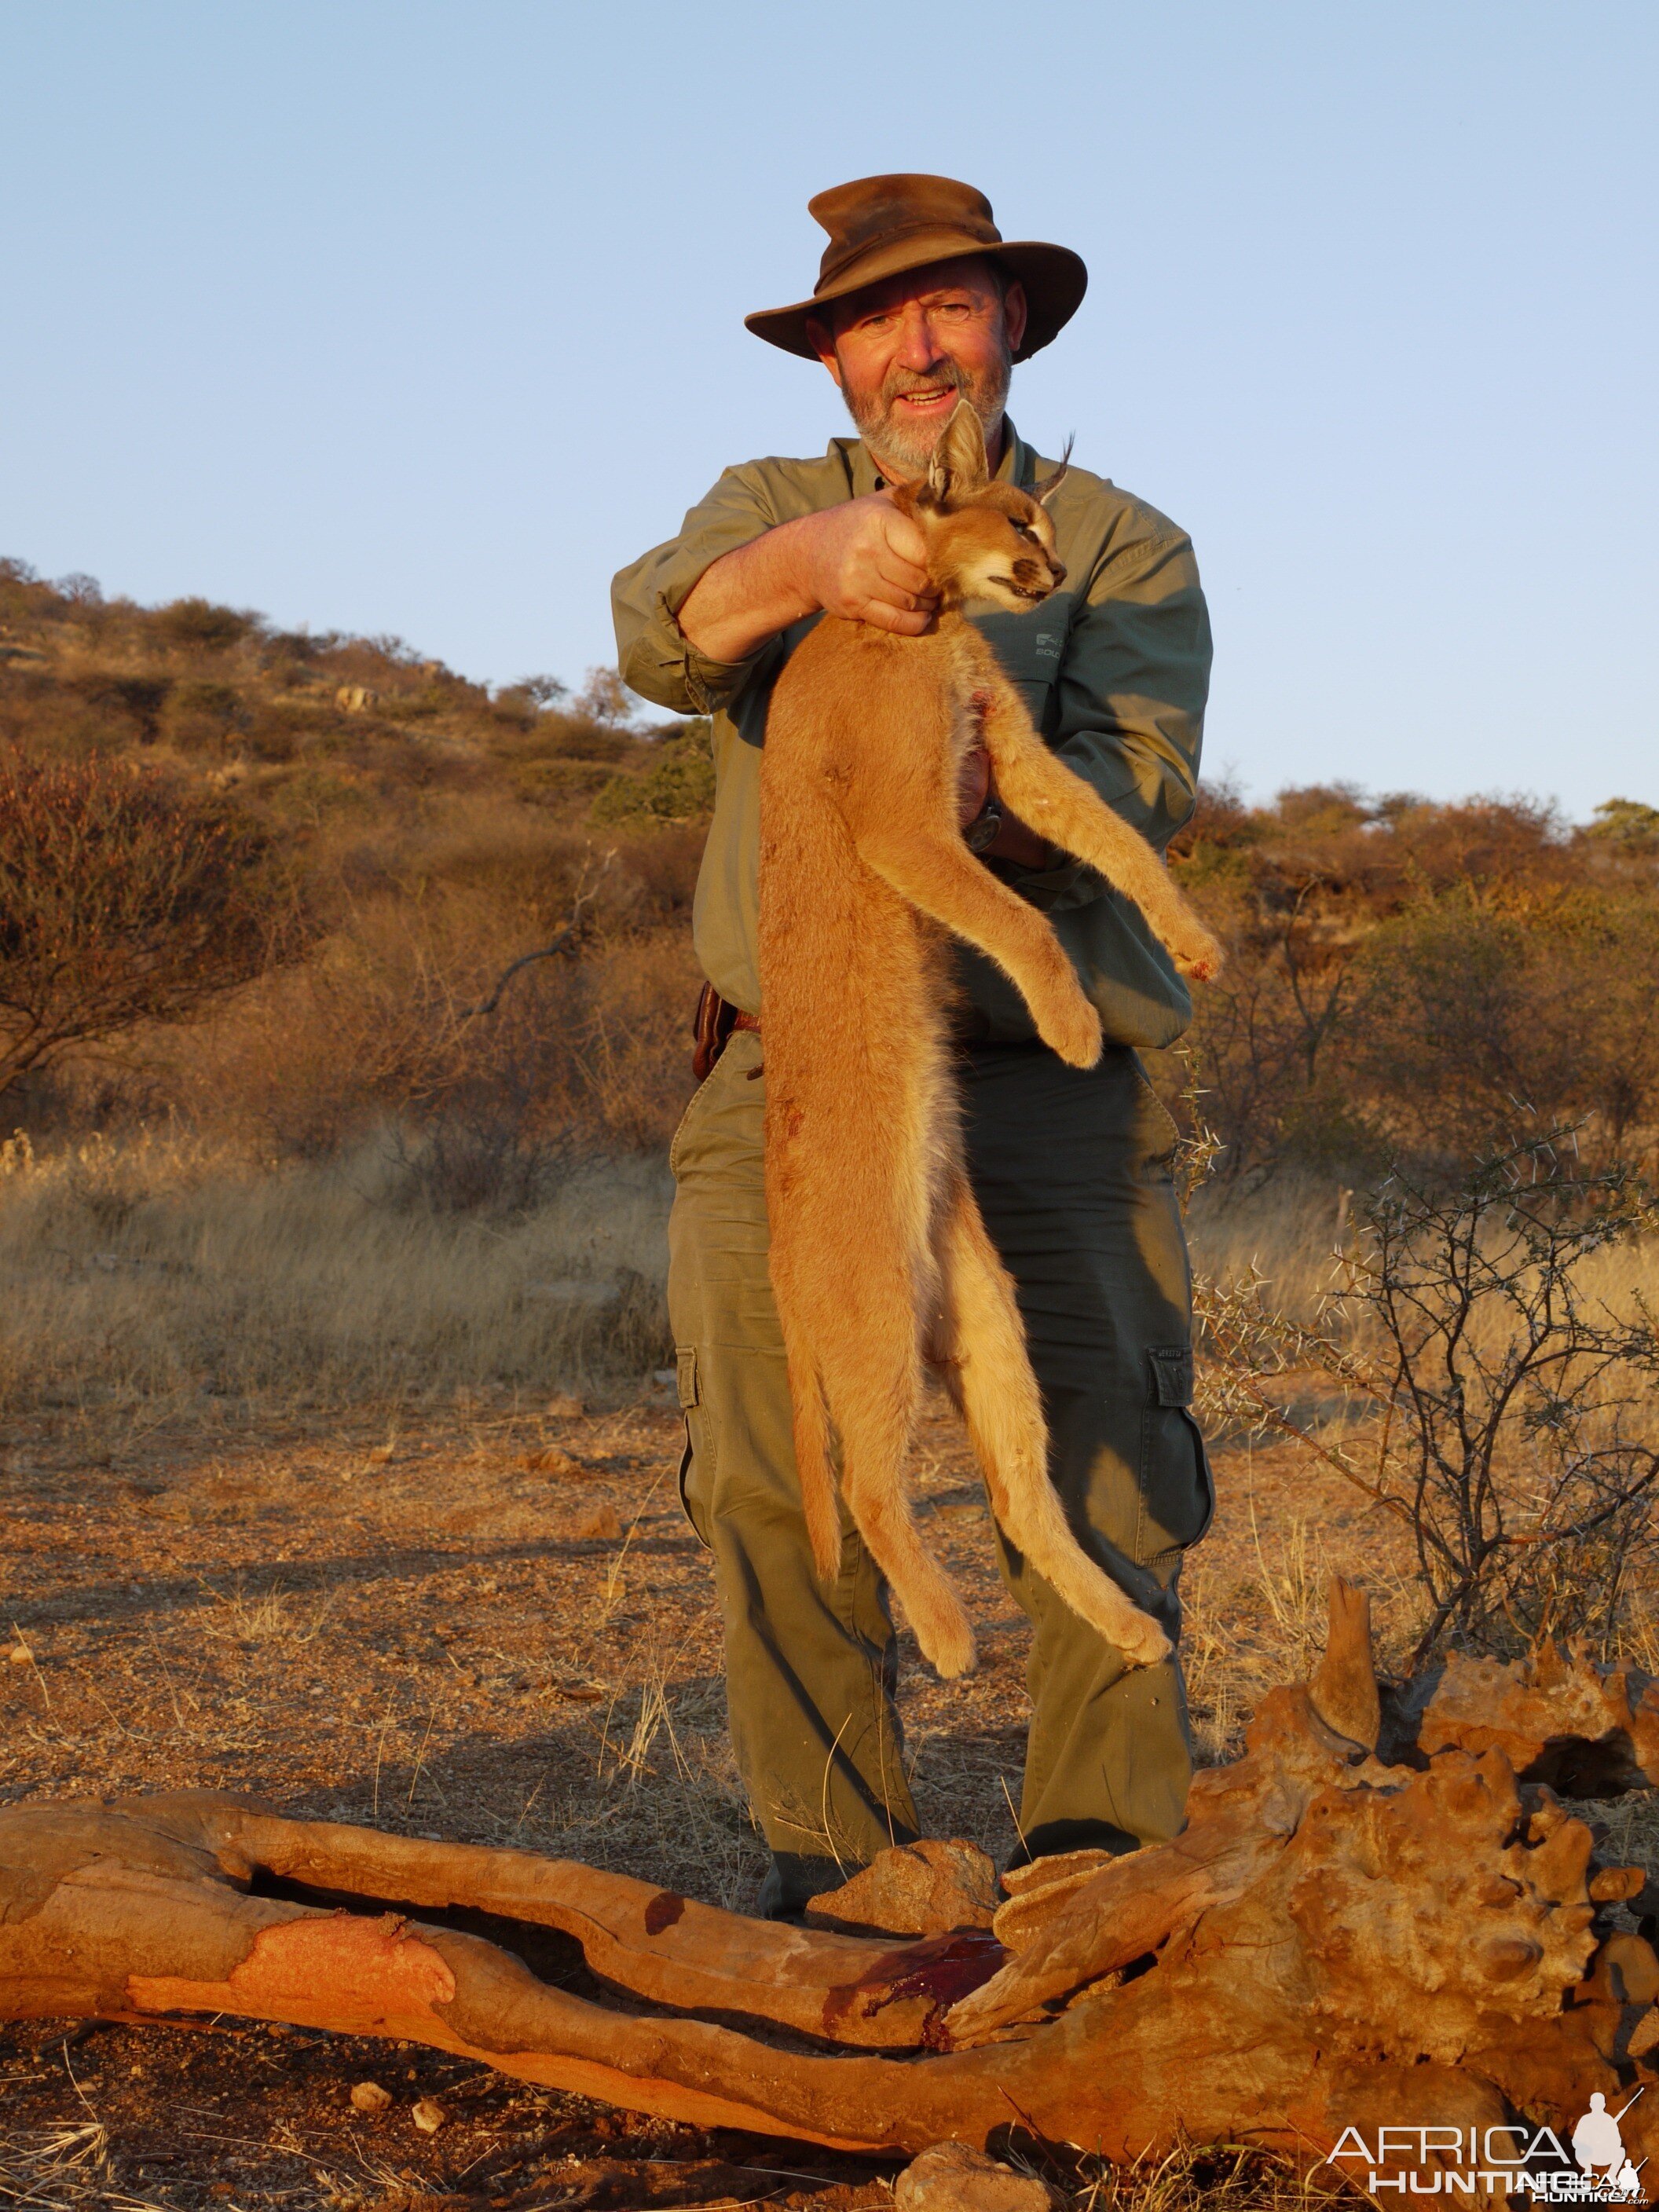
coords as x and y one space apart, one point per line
1030 647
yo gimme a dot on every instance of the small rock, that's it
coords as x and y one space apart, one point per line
370 2097
601 1523
926 1888
428 2115
952 2178
20 1655
566 1408
564 1465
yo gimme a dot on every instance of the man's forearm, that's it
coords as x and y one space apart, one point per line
746 596
861 560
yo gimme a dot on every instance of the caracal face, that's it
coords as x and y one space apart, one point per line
985 540
999 545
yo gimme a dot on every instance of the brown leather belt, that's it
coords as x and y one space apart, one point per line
712 1030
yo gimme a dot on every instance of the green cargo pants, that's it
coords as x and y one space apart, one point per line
1072 1173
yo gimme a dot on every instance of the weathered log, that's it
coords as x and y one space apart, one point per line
1558 1717
1333 1943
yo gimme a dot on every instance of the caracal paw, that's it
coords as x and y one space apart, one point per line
1072 1029
1142 1642
949 1649
1197 954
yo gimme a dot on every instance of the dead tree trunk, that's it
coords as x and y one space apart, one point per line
1333 1943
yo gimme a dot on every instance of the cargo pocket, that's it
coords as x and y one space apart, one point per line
1177 1490
699 1445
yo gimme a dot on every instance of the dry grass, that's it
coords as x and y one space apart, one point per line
1295 1230
76 2167
1292 1232
160 1274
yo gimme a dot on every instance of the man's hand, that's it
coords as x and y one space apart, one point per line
867 562
862 560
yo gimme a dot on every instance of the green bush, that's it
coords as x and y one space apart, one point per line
555 735
141 697
552 782
1628 822
413 706
200 625
678 786
203 714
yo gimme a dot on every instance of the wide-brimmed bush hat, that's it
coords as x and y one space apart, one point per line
879 227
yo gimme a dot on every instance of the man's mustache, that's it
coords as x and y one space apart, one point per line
900 380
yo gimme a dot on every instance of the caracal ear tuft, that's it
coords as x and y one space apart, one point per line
1045 492
959 467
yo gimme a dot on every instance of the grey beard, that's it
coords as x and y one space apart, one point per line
903 454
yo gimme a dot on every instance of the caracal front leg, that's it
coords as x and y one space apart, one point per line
1054 801
941 876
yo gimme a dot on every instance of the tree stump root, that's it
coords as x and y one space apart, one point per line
1335 1941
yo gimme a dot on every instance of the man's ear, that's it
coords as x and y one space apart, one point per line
959 467
821 339
1015 315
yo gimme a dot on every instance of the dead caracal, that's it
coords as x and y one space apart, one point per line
880 1260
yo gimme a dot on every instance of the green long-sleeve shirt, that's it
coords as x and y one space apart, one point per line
1114 668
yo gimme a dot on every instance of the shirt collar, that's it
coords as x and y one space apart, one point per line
1017 466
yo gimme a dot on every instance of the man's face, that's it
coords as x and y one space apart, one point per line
905 350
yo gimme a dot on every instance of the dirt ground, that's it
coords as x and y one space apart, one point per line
497 1627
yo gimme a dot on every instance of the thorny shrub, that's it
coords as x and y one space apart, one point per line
1513 1433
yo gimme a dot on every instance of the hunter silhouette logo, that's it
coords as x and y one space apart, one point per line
1514 2160
1599 2149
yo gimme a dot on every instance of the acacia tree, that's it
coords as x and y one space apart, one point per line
122 900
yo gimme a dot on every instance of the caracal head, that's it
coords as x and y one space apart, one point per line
985 540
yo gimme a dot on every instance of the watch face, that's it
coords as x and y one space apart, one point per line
983 831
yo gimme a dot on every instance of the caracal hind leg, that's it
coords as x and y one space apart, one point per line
867 1347
989 1375
941 876
1054 801
874 1392
872 1471
820 1506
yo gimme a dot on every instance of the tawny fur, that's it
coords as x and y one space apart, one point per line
880 1261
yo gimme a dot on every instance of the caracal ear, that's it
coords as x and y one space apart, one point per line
1045 492
958 466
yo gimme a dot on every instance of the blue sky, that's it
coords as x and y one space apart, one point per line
425 318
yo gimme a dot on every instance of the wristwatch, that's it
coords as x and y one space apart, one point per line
986 827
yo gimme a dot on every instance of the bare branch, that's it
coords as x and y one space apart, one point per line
587 892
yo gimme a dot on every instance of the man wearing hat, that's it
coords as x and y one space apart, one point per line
919 301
